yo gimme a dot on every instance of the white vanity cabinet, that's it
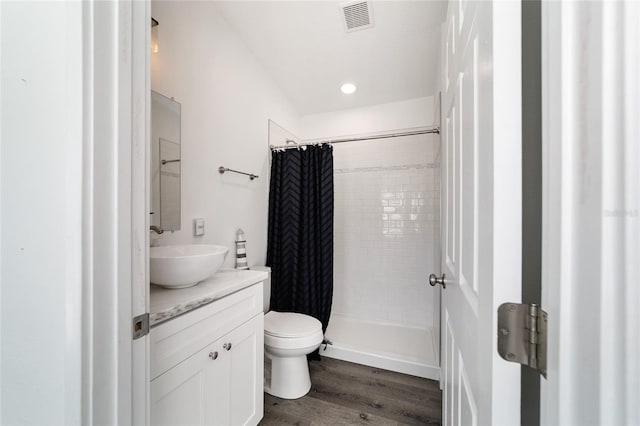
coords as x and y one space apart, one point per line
207 364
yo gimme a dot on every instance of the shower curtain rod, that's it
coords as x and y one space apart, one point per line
294 145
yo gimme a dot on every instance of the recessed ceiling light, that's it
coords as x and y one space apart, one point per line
348 88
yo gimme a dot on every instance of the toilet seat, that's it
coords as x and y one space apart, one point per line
289 325
287 330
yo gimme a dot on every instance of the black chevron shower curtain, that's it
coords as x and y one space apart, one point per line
300 240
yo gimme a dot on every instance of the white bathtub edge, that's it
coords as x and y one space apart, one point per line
385 363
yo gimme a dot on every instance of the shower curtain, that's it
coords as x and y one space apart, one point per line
300 239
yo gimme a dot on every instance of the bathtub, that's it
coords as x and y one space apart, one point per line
387 346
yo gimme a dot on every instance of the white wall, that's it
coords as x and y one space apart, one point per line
278 136
227 100
377 118
41 200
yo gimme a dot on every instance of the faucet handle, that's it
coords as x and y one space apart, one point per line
156 229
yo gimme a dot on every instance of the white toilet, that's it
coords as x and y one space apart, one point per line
288 338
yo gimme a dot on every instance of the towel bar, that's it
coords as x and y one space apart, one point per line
222 169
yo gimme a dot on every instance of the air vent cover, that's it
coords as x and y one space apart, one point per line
357 15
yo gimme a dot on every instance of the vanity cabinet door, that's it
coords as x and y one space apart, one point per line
188 394
220 385
246 372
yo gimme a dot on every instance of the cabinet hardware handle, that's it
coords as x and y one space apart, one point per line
227 346
213 355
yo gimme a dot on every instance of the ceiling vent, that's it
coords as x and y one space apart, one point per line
358 15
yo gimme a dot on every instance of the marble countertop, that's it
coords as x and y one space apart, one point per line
169 303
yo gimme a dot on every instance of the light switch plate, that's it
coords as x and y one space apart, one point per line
198 227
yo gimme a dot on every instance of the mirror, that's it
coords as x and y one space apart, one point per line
165 162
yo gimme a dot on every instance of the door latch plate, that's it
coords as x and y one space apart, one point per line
140 326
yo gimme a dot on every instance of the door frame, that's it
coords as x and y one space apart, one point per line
116 123
591 195
531 190
141 203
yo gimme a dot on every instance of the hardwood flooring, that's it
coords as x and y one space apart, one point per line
343 393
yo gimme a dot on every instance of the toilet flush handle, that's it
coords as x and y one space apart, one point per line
227 346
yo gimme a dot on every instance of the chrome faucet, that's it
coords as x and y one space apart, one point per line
156 229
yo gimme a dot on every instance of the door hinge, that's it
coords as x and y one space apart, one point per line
140 325
522 335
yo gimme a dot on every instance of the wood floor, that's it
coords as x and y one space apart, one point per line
343 393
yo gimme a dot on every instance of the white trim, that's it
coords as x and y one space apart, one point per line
1 364
551 194
124 177
507 198
141 201
87 212
100 214
591 195
115 205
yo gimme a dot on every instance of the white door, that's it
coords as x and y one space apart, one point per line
481 206
591 212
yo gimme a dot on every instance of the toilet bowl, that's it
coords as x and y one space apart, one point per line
288 338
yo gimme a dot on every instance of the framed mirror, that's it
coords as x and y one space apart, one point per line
165 162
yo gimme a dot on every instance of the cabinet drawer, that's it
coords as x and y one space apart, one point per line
181 337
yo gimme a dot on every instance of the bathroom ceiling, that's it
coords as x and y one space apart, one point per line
303 45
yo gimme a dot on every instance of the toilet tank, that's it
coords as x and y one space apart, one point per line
266 286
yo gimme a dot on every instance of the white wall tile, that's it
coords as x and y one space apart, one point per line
385 212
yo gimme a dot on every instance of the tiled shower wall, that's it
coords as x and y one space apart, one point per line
386 230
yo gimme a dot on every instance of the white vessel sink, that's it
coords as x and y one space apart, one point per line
184 265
